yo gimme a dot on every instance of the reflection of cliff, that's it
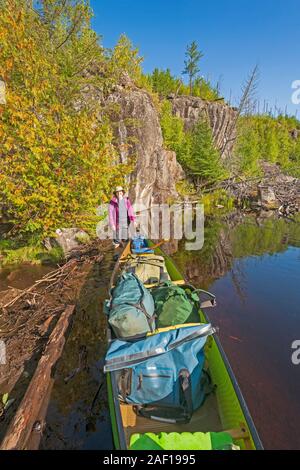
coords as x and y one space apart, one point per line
234 238
204 268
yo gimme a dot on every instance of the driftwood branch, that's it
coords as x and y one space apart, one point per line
26 425
50 278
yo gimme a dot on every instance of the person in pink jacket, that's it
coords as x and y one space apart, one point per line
121 214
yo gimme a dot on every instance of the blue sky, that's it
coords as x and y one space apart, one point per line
233 34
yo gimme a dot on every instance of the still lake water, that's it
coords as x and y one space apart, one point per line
257 262
252 264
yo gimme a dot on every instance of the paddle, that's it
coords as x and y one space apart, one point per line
158 244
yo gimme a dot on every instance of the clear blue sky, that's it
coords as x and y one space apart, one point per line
233 34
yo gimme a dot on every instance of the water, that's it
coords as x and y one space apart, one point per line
257 263
252 265
23 276
78 416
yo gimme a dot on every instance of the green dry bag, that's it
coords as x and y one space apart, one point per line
174 305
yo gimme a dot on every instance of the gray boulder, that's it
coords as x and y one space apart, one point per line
68 239
268 198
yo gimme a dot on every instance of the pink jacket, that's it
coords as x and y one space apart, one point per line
114 211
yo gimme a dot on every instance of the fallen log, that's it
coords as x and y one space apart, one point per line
25 429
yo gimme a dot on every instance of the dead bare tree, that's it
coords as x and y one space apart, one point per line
247 104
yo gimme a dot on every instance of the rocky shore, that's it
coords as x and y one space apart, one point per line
272 191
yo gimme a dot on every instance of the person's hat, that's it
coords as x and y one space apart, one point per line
119 188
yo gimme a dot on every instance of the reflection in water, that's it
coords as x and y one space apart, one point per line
23 276
78 416
257 267
252 265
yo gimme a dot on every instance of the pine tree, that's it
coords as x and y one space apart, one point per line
202 160
193 56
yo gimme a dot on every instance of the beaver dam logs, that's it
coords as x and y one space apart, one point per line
34 324
24 430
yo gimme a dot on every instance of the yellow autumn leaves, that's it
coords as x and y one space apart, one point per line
56 165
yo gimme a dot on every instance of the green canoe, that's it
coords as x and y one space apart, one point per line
224 413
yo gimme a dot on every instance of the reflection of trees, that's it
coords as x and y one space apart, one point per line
270 236
215 258
239 280
235 237
71 408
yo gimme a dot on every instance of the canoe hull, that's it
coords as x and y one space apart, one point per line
232 408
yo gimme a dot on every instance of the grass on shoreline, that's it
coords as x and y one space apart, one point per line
12 252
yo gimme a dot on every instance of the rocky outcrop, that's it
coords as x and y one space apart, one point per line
68 239
272 190
222 119
268 198
139 138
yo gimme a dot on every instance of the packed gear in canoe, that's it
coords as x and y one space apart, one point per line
130 309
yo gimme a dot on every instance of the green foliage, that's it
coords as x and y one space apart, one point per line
218 199
5 399
248 147
124 58
83 238
165 84
57 161
14 253
193 56
195 150
185 188
267 138
173 130
204 89
201 159
251 239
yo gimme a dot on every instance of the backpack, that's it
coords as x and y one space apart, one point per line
175 305
139 245
162 375
150 269
131 308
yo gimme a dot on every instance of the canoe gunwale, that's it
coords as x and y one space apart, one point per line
121 442
249 421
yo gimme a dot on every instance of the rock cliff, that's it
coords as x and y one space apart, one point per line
222 119
139 136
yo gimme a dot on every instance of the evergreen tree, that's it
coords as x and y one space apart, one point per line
164 83
193 56
202 160
124 58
